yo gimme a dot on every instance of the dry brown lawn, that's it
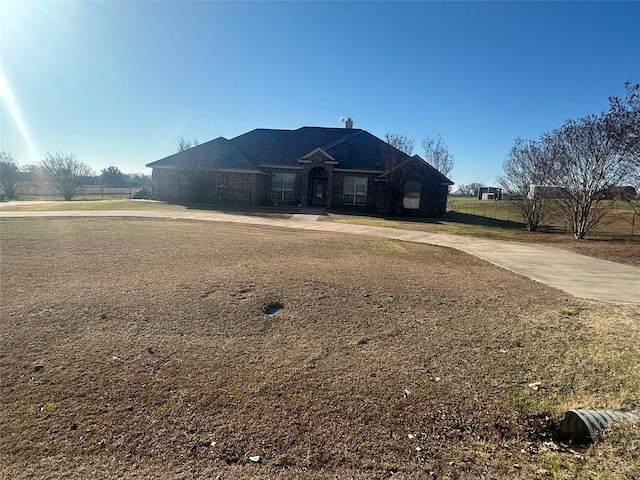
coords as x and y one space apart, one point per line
141 349
626 252
618 248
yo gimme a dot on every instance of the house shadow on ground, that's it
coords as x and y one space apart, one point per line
469 219
447 219
252 211
286 212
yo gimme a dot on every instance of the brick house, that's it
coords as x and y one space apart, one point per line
337 168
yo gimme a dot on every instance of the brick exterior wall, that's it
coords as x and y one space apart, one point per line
241 188
433 195
245 188
166 184
254 189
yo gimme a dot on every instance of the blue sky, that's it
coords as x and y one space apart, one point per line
116 83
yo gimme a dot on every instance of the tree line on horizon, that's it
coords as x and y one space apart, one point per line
65 173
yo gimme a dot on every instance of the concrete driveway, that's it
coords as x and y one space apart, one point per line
578 275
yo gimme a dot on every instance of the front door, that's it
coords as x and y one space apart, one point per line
319 192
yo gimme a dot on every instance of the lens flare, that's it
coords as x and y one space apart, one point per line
13 108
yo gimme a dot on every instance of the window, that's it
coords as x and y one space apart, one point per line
222 187
282 186
354 191
411 198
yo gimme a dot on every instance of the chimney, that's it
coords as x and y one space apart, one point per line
348 123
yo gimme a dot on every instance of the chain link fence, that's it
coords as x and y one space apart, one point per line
621 223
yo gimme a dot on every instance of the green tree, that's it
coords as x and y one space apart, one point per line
65 173
9 173
138 180
112 177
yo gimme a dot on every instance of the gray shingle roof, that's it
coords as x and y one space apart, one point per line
217 154
285 147
353 149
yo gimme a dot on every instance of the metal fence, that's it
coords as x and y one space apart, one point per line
622 223
86 192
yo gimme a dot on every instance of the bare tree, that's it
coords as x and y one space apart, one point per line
622 122
398 150
185 144
589 163
529 163
194 169
65 173
469 190
437 155
9 173
400 142
623 126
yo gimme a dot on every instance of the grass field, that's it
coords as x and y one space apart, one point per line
134 348
617 248
621 224
88 205
139 205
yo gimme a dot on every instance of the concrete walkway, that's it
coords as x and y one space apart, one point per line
578 275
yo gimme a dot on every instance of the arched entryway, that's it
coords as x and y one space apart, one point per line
318 187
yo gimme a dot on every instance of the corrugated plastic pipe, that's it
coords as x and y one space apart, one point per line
584 426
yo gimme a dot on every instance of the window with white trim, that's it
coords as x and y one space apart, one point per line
354 191
282 186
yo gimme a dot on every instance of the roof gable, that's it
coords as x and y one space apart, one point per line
417 159
317 153
285 147
438 176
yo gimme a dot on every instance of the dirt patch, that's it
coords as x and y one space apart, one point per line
141 349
